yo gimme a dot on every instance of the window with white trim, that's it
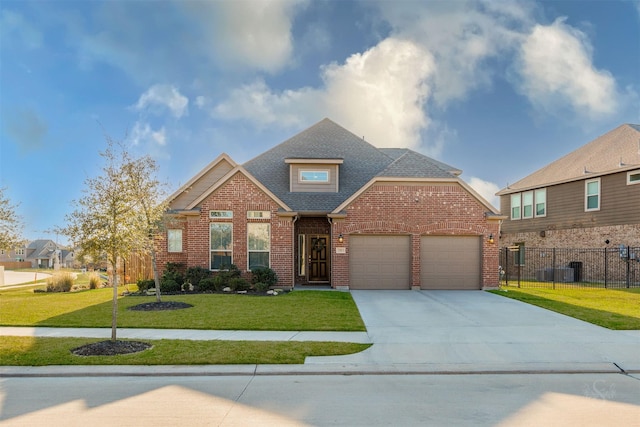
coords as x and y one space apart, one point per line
174 240
592 195
258 214
258 244
221 234
527 204
220 214
515 206
633 177
541 202
321 176
20 251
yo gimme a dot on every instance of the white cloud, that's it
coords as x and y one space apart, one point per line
163 96
247 33
486 189
143 134
379 94
556 66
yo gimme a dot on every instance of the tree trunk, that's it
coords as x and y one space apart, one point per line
156 279
114 312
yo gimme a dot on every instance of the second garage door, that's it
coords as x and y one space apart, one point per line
450 262
379 262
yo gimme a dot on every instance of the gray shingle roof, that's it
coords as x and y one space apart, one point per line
615 151
361 162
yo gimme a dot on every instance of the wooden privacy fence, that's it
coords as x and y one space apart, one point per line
14 265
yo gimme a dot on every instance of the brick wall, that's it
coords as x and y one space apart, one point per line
239 195
591 237
417 210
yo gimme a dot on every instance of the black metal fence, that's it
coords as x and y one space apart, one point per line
570 268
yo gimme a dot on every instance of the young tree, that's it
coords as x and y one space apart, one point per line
10 224
107 220
150 194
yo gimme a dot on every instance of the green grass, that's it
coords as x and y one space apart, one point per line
611 308
29 351
298 310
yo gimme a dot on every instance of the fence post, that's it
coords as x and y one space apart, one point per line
519 263
628 266
553 271
606 266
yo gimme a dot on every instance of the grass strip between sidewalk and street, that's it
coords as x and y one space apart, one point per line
30 351
617 309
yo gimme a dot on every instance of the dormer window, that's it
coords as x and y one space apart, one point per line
314 175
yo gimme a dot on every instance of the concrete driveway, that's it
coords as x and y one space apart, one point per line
12 278
472 331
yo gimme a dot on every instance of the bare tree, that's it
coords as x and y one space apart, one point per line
10 223
150 195
107 219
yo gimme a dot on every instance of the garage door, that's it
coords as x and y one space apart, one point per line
450 262
379 262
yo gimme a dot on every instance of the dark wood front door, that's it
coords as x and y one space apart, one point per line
319 258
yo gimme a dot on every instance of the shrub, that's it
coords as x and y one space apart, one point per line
145 284
173 271
239 284
94 280
261 286
195 274
170 285
264 275
60 282
220 282
208 284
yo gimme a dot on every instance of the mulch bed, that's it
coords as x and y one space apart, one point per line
111 348
164 305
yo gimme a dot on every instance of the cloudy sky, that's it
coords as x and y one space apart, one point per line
497 88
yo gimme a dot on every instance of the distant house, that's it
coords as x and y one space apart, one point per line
326 207
42 253
589 198
13 255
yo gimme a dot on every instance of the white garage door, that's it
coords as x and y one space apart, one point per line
450 262
379 262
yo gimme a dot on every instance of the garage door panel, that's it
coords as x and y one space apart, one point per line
450 262
379 262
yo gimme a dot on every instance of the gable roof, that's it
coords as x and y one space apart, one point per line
615 151
361 162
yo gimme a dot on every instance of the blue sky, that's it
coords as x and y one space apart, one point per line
496 88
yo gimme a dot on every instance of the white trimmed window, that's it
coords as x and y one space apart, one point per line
541 202
592 195
220 214
515 206
633 177
527 204
20 251
221 238
320 176
258 214
258 244
174 240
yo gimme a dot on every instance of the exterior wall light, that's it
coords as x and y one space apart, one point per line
490 240
340 238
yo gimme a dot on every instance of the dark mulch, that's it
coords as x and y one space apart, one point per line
110 348
164 305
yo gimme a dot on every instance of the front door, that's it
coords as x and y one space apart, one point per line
319 258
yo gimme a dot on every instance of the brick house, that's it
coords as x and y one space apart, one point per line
589 198
326 207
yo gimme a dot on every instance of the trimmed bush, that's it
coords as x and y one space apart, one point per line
261 286
144 285
239 284
207 284
195 274
170 285
173 272
60 282
263 275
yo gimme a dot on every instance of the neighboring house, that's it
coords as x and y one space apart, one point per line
589 198
13 255
326 207
42 253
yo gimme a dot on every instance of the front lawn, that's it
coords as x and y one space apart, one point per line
611 308
297 310
29 351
